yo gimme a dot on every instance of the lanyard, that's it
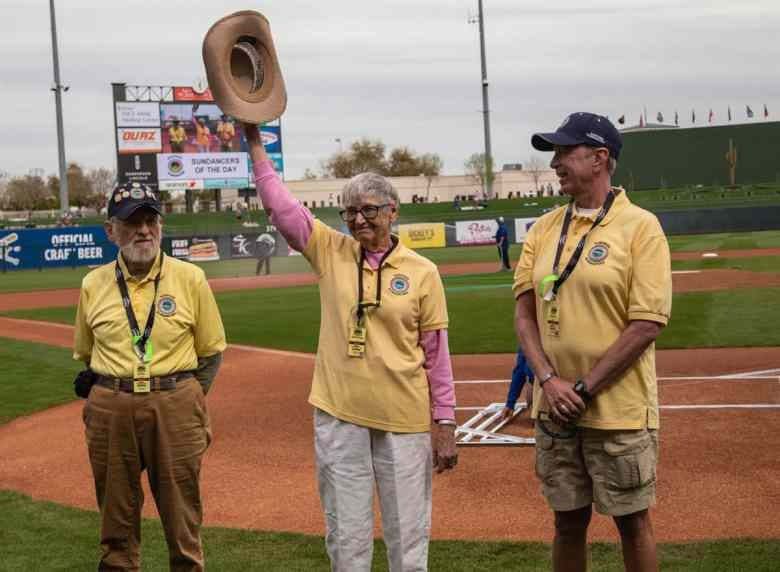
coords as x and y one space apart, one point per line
139 341
575 257
361 307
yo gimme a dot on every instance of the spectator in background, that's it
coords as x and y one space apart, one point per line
264 249
502 244
177 135
522 374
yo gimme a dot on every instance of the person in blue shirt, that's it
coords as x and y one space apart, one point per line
521 375
502 243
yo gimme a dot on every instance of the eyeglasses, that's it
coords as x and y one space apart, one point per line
369 212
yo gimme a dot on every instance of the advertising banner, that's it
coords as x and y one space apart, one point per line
137 114
271 136
142 140
189 94
52 247
422 235
476 231
172 166
180 248
203 250
522 226
183 185
138 168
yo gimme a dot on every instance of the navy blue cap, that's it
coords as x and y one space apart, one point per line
582 128
129 197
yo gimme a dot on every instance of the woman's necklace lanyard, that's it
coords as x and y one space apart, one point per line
575 257
361 307
139 340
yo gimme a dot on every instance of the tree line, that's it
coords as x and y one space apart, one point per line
88 188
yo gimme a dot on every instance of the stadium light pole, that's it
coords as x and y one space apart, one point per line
485 105
58 89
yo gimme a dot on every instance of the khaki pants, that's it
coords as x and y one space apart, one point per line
166 433
350 460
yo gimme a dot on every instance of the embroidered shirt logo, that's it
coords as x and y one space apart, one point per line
166 306
399 284
598 253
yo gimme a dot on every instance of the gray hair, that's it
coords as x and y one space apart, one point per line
369 185
612 166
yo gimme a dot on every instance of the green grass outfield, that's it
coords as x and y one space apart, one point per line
481 307
36 535
653 200
28 280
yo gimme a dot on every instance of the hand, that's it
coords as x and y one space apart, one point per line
565 405
251 132
445 454
506 413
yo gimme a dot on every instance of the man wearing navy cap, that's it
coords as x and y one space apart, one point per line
150 333
593 291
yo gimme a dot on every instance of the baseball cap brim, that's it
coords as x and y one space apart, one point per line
125 211
548 141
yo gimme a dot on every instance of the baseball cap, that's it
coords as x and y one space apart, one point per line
582 128
129 197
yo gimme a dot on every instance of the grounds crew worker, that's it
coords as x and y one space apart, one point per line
593 289
149 328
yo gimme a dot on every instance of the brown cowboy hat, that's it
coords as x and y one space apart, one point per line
242 68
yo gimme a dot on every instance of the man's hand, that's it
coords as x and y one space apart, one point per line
565 405
445 454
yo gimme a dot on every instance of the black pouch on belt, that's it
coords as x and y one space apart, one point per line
84 382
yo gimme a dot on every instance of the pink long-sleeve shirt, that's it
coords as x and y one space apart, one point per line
296 223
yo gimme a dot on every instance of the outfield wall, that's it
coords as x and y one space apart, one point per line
662 158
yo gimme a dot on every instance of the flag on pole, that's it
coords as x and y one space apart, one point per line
641 120
748 112
676 118
729 113
660 117
711 117
622 119
766 112
693 116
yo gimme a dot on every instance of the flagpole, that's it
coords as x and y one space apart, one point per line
58 89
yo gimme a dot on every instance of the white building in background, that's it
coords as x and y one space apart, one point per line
443 188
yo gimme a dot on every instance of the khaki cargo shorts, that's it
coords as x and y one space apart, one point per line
615 470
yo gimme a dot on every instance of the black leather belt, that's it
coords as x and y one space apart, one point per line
159 383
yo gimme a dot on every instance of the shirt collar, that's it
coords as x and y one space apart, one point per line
152 271
395 258
621 202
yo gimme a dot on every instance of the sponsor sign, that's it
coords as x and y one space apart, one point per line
271 136
190 94
225 183
180 166
203 250
476 231
522 226
187 184
47 248
144 140
137 168
137 114
180 248
422 235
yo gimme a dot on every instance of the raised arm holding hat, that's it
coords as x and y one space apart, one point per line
593 291
149 330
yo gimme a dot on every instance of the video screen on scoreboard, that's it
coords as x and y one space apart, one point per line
186 142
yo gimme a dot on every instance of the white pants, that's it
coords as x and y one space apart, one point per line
349 459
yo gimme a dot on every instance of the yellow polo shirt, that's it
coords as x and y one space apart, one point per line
624 274
187 324
387 388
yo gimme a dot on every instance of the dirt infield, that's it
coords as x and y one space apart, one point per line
719 467
687 281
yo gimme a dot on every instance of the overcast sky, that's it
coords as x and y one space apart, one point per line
404 71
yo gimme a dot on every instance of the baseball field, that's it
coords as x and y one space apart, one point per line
719 384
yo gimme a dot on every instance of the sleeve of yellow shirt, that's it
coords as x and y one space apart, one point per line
433 304
209 332
318 247
524 271
82 336
650 294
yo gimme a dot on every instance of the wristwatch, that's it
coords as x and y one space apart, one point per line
446 422
546 377
582 391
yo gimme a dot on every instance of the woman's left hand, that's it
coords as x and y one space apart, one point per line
445 454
